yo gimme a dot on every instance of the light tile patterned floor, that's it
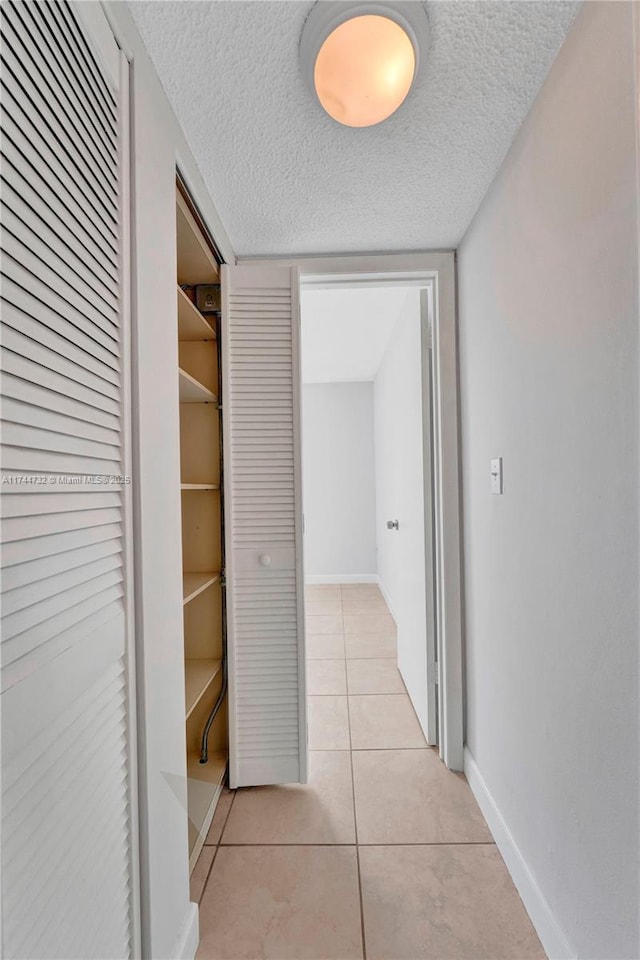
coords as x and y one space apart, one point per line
384 854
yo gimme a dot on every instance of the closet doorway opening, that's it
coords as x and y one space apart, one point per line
367 467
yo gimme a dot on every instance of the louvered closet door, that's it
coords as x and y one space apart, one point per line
68 810
265 595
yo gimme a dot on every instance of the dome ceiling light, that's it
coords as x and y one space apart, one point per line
360 60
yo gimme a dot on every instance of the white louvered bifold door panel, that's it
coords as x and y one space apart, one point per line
265 590
69 862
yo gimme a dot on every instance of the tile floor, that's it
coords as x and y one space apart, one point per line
384 854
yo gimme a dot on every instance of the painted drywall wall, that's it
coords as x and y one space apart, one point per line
338 481
345 331
169 920
548 312
400 496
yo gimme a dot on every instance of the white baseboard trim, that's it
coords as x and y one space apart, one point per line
551 935
315 578
387 600
189 936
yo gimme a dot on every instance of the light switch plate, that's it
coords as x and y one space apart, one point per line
496 475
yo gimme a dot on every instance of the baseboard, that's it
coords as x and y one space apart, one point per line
315 578
190 935
389 604
387 600
551 935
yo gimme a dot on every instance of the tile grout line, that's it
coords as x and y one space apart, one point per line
358 694
218 845
353 789
351 659
382 843
362 749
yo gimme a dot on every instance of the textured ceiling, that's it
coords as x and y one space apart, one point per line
288 180
345 333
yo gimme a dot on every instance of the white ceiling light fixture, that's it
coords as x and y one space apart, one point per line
360 60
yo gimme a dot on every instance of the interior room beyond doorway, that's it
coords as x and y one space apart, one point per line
363 433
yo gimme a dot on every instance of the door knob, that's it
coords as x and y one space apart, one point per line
393 525
265 560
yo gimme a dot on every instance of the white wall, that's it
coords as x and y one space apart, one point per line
548 307
400 495
345 331
338 481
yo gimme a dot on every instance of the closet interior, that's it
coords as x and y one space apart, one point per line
198 277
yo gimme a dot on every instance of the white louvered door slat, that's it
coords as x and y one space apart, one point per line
69 861
265 584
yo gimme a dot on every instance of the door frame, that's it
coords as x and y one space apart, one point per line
434 720
434 272
117 63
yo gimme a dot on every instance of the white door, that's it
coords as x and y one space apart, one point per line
69 878
263 521
404 495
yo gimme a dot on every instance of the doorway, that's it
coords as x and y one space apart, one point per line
265 576
367 434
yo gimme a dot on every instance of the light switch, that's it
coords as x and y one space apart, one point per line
496 475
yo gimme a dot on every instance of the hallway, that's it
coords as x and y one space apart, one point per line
384 854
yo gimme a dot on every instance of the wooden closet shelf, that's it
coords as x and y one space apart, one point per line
194 583
204 786
196 263
199 486
192 325
198 676
211 772
192 391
